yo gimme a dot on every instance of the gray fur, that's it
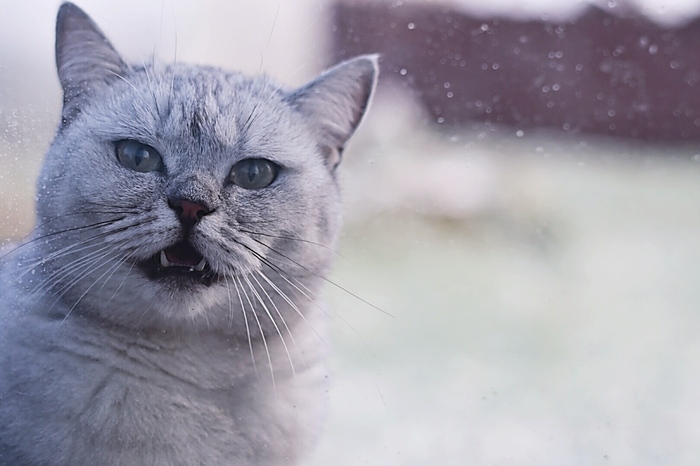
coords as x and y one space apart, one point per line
100 364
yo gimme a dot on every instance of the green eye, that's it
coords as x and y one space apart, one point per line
138 157
253 173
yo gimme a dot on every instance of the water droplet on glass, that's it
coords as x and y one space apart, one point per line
411 26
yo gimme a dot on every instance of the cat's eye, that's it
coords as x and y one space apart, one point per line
138 157
253 173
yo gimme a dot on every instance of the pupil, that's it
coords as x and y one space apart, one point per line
253 171
140 156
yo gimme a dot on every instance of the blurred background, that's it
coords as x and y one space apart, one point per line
523 200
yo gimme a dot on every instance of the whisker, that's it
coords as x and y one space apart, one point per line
115 267
110 269
83 263
52 234
272 319
247 326
230 302
64 251
286 277
252 117
292 238
145 311
331 282
284 323
128 272
86 268
151 85
68 268
128 82
172 73
274 23
291 304
262 334
267 262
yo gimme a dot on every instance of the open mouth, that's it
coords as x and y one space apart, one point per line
182 255
181 260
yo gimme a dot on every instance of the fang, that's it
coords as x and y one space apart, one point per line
199 267
164 262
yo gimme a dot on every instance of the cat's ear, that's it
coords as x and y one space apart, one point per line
84 57
335 102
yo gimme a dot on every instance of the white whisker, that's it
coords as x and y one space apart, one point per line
108 271
71 267
126 275
330 317
247 326
288 300
127 81
230 302
262 335
61 252
284 322
272 319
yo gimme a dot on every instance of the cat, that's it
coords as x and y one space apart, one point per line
166 309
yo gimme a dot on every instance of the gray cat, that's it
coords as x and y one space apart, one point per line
165 310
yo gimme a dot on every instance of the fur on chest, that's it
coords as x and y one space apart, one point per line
97 399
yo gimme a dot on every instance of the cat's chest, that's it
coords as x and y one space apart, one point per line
200 363
167 397
102 368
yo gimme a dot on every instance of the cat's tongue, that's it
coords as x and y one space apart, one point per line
182 255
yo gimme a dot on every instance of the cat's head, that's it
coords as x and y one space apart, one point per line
172 191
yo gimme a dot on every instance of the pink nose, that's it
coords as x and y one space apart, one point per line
189 212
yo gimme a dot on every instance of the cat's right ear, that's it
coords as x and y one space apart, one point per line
335 103
85 59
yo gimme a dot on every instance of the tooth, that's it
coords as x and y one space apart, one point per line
199 267
164 262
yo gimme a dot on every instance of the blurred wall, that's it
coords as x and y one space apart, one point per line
608 70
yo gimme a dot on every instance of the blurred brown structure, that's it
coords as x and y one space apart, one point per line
601 72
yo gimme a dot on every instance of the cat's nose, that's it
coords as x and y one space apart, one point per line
189 212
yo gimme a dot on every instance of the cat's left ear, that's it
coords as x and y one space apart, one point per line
335 102
84 57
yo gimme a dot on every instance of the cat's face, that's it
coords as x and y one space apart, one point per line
177 194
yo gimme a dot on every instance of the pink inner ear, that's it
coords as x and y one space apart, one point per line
183 254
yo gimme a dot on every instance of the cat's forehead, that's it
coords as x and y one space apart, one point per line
201 106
